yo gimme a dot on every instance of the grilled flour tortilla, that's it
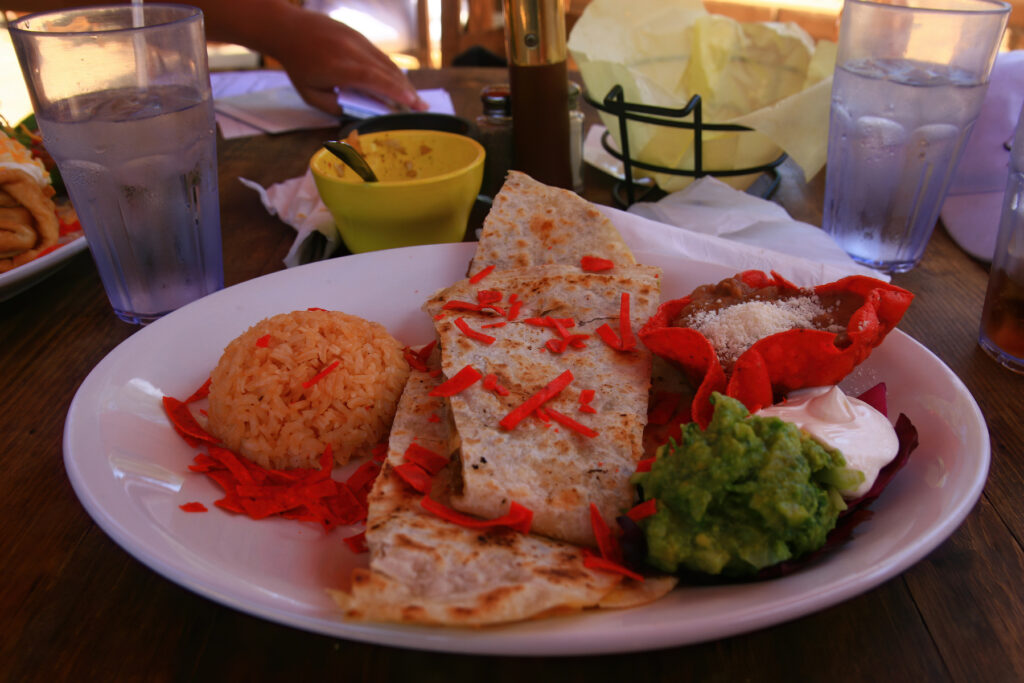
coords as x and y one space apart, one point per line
533 224
553 470
426 570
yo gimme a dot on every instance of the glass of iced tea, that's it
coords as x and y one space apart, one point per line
1002 318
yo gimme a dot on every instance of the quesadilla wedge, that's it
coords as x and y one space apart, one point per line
558 460
427 570
533 224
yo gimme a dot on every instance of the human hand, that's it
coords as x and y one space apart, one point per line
321 54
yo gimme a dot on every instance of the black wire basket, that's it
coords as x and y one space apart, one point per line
614 103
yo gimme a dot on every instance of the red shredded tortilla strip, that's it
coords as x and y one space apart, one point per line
592 561
607 543
552 389
194 506
556 345
643 510
462 380
417 360
627 341
514 306
185 423
645 465
572 424
473 334
482 274
486 297
491 384
430 461
200 393
305 494
518 518
413 359
456 305
586 396
235 465
608 336
360 481
596 264
415 476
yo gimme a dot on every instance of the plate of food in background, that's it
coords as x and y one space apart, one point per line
39 230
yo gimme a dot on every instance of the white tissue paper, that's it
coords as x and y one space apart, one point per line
297 203
708 221
713 222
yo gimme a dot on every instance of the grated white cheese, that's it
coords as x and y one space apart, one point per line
734 329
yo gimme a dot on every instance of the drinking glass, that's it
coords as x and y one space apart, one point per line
122 98
909 83
1002 318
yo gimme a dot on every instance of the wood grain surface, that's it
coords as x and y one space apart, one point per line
75 606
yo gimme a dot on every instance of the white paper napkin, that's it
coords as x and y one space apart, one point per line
711 209
265 101
297 203
738 231
275 110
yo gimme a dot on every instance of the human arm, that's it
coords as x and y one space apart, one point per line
318 53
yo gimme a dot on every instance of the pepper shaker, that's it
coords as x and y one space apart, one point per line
495 131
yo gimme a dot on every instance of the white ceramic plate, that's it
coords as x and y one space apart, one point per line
18 279
129 470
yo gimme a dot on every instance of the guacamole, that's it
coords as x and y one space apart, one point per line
744 494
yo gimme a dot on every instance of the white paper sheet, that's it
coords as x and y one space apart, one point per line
264 101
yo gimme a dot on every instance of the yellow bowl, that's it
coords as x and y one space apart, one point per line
428 183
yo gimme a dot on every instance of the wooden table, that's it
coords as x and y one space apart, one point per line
73 605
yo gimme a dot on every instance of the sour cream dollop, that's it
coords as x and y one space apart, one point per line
15 156
863 435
